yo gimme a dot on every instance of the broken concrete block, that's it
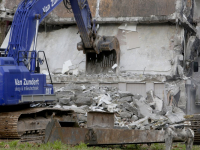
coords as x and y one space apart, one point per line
83 101
76 72
178 110
83 87
85 107
65 101
64 94
46 72
126 99
137 96
142 99
104 99
183 97
57 71
150 96
114 66
66 66
125 94
139 123
180 71
159 104
112 107
130 108
81 118
143 109
185 134
125 115
153 105
175 117
75 109
134 118
57 106
142 128
168 109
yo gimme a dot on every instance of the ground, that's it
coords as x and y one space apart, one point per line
15 145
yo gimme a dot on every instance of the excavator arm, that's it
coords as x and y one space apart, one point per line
30 14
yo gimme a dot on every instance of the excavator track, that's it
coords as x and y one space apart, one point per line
30 124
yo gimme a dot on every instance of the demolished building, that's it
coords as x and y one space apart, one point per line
159 41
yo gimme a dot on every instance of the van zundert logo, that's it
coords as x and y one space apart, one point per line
27 82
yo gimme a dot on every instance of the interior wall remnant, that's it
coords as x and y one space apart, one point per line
2 31
196 11
191 54
133 40
61 46
147 49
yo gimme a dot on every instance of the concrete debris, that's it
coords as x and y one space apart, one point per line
150 96
130 108
81 118
180 71
183 97
127 99
65 101
76 72
155 102
46 72
137 96
176 116
66 66
57 71
134 118
83 87
125 115
114 66
184 134
83 101
125 94
143 109
104 99
131 111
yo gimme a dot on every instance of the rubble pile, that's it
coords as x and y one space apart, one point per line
131 111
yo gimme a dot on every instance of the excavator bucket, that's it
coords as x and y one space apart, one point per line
109 55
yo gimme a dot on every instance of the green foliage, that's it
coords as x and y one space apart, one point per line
13 144
133 146
2 144
57 145
22 145
81 146
158 146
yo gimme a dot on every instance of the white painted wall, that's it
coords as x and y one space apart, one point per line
61 46
154 53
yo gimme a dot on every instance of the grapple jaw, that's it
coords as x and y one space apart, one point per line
104 55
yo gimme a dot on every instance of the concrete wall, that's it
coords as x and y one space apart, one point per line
197 11
148 49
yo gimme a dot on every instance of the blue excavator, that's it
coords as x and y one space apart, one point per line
21 82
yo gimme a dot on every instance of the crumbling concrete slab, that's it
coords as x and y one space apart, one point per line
131 109
125 94
126 99
176 116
